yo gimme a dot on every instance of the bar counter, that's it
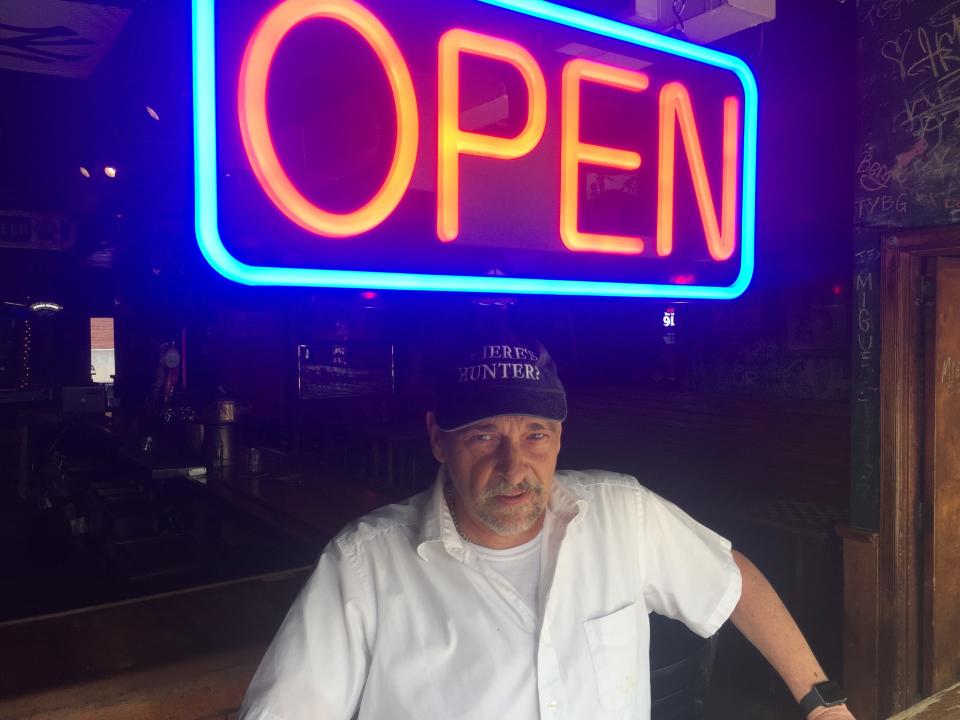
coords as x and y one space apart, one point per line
187 653
312 502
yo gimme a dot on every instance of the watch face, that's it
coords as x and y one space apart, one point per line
831 692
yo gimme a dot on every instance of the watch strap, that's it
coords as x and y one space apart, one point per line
810 702
813 699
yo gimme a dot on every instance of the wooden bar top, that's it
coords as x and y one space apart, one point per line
945 705
309 500
199 688
92 644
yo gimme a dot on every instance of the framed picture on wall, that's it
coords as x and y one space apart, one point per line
345 369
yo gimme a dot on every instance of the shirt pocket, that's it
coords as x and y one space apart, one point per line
613 647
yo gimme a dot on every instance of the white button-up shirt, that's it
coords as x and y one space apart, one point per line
400 620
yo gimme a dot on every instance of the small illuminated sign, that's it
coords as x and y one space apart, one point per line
490 146
669 318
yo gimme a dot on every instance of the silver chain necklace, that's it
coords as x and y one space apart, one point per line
448 494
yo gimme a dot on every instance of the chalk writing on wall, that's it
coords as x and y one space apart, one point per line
865 381
763 367
864 293
908 160
950 375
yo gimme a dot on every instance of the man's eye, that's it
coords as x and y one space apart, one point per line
482 437
538 436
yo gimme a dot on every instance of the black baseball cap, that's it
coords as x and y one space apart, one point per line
499 375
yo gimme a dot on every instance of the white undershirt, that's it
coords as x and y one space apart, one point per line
520 566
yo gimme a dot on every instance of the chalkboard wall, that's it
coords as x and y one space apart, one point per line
908 144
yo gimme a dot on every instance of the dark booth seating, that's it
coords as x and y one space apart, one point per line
681 663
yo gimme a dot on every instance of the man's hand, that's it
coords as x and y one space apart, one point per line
837 712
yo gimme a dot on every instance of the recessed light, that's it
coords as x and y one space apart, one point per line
110 171
153 113
84 171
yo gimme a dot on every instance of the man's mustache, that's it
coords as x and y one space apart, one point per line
507 488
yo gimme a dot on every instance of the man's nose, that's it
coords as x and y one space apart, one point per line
511 461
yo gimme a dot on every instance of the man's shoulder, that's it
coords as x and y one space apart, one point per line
611 490
385 524
598 482
603 485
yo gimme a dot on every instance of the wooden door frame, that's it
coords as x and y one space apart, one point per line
899 663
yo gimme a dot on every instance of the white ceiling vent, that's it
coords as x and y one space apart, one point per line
704 20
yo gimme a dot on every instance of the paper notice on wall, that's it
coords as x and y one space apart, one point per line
55 37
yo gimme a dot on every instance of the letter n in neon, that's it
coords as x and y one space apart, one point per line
721 237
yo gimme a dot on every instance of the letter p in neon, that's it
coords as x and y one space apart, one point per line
452 142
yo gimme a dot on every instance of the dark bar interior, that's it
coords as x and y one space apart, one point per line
177 449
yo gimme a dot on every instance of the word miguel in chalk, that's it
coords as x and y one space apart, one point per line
453 142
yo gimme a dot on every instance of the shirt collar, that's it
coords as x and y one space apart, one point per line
436 525
565 504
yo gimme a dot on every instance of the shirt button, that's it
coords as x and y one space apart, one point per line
552 705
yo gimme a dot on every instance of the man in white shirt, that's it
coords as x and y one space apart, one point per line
509 590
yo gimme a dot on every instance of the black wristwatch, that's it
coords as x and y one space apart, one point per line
824 694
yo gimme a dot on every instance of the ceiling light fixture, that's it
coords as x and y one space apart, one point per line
45 308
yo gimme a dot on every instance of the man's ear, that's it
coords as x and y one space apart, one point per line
433 432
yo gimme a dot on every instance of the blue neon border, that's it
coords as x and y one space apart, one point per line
205 175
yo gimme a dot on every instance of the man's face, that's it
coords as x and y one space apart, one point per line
502 470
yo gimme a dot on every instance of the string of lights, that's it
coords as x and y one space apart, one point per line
25 362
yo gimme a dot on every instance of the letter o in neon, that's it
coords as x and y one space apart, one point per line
255 130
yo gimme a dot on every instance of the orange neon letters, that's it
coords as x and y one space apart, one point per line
574 153
675 108
255 130
721 238
452 142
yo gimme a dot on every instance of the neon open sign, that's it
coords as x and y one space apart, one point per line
512 146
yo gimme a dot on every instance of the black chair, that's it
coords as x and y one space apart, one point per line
680 666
